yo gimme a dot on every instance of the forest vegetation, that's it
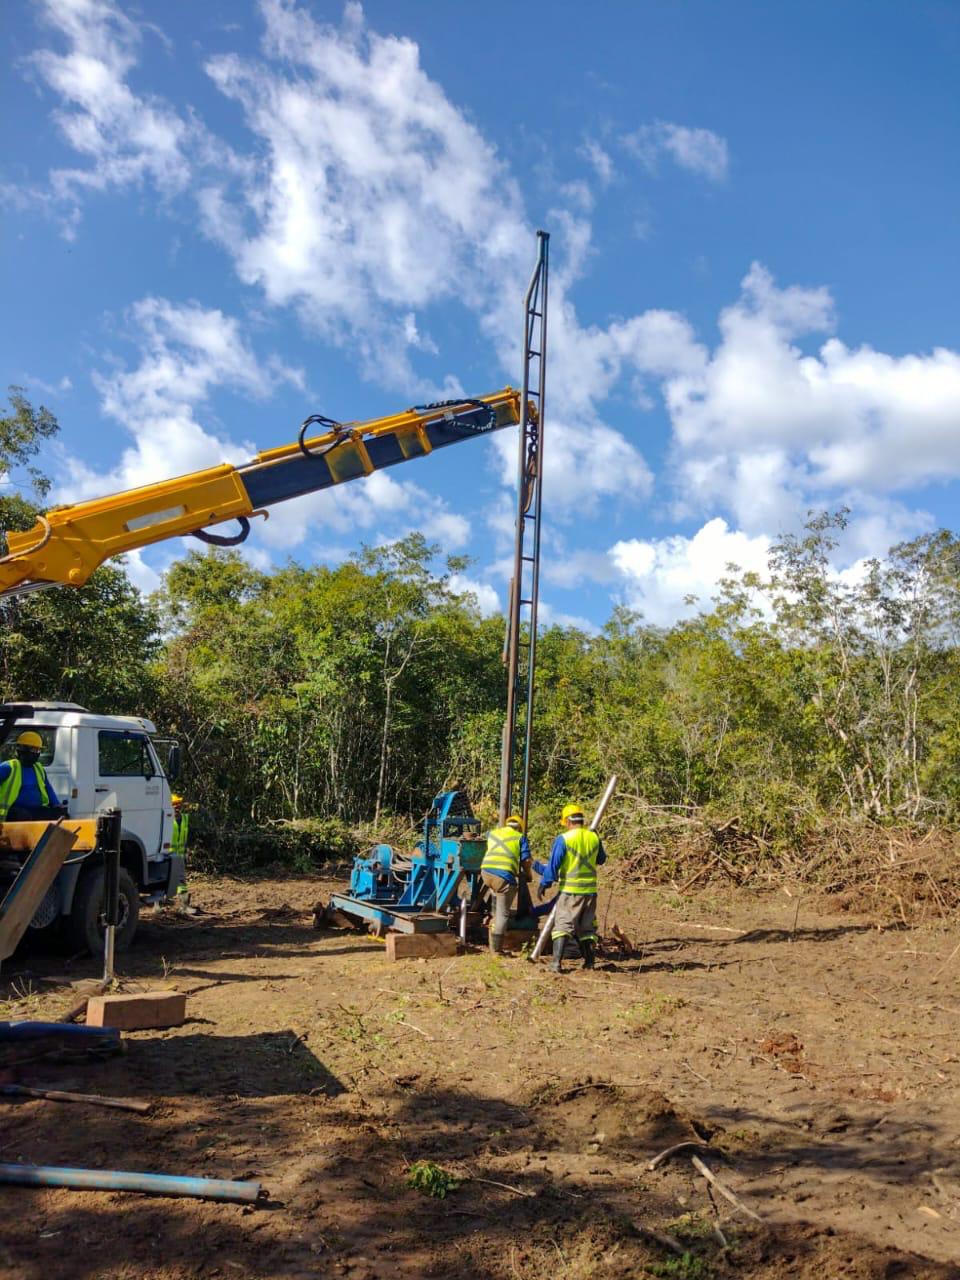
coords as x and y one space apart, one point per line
316 705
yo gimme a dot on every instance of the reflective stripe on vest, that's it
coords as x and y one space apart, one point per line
178 843
503 851
578 870
10 787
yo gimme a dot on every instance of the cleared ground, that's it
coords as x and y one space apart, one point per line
813 1055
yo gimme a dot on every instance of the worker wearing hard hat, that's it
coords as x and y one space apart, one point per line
507 856
178 847
574 858
181 827
26 793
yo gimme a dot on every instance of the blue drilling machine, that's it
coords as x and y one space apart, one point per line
432 889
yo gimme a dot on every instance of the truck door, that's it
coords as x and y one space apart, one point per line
128 779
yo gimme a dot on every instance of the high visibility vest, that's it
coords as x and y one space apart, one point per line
503 851
178 843
10 787
578 870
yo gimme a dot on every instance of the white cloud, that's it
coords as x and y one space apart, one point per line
185 353
374 194
488 602
766 430
365 198
599 160
661 573
125 137
699 151
550 616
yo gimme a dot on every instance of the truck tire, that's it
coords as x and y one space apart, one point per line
85 923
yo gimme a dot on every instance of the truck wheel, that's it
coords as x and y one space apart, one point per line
85 923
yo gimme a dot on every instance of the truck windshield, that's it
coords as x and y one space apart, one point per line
49 735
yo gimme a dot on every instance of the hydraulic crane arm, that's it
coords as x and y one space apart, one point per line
69 543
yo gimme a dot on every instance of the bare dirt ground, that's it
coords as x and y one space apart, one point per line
813 1055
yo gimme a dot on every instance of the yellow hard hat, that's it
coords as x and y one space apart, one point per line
515 821
176 799
571 811
30 739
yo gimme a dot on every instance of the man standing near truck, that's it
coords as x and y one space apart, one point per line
178 846
26 793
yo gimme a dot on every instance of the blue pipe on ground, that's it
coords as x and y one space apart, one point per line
157 1184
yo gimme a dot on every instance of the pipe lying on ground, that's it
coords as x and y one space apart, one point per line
63 1030
156 1184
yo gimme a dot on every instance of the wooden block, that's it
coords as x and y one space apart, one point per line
403 946
138 1012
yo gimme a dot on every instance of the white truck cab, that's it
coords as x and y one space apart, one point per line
97 763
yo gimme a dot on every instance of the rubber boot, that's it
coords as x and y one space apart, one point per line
588 951
556 962
496 944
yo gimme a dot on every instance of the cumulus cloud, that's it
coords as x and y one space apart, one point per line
699 151
488 602
662 574
124 136
365 199
764 428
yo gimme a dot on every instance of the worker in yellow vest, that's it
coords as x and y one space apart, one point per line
506 858
574 858
26 793
178 846
181 827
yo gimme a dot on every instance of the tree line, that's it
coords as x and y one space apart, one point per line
350 695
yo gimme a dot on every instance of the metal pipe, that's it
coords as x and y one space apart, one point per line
66 1030
157 1184
537 951
111 891
463 921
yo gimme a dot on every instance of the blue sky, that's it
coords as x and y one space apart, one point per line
221 217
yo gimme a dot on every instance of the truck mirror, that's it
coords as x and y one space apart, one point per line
173 762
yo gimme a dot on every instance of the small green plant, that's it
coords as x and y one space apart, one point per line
431 1180
686 1267
642 1015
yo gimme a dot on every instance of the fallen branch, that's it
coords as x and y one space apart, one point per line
676 1150
426 1034
60 1095
504 1186
661 1238
725 1191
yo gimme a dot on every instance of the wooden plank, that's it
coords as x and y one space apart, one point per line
36 876
404 946
140 1012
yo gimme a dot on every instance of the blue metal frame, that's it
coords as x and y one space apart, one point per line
422 892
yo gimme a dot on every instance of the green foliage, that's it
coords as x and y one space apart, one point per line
431 1180
321 707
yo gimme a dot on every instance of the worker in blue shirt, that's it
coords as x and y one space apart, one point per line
506 858
26 793
574 858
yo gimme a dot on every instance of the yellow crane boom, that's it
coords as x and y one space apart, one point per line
68 543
